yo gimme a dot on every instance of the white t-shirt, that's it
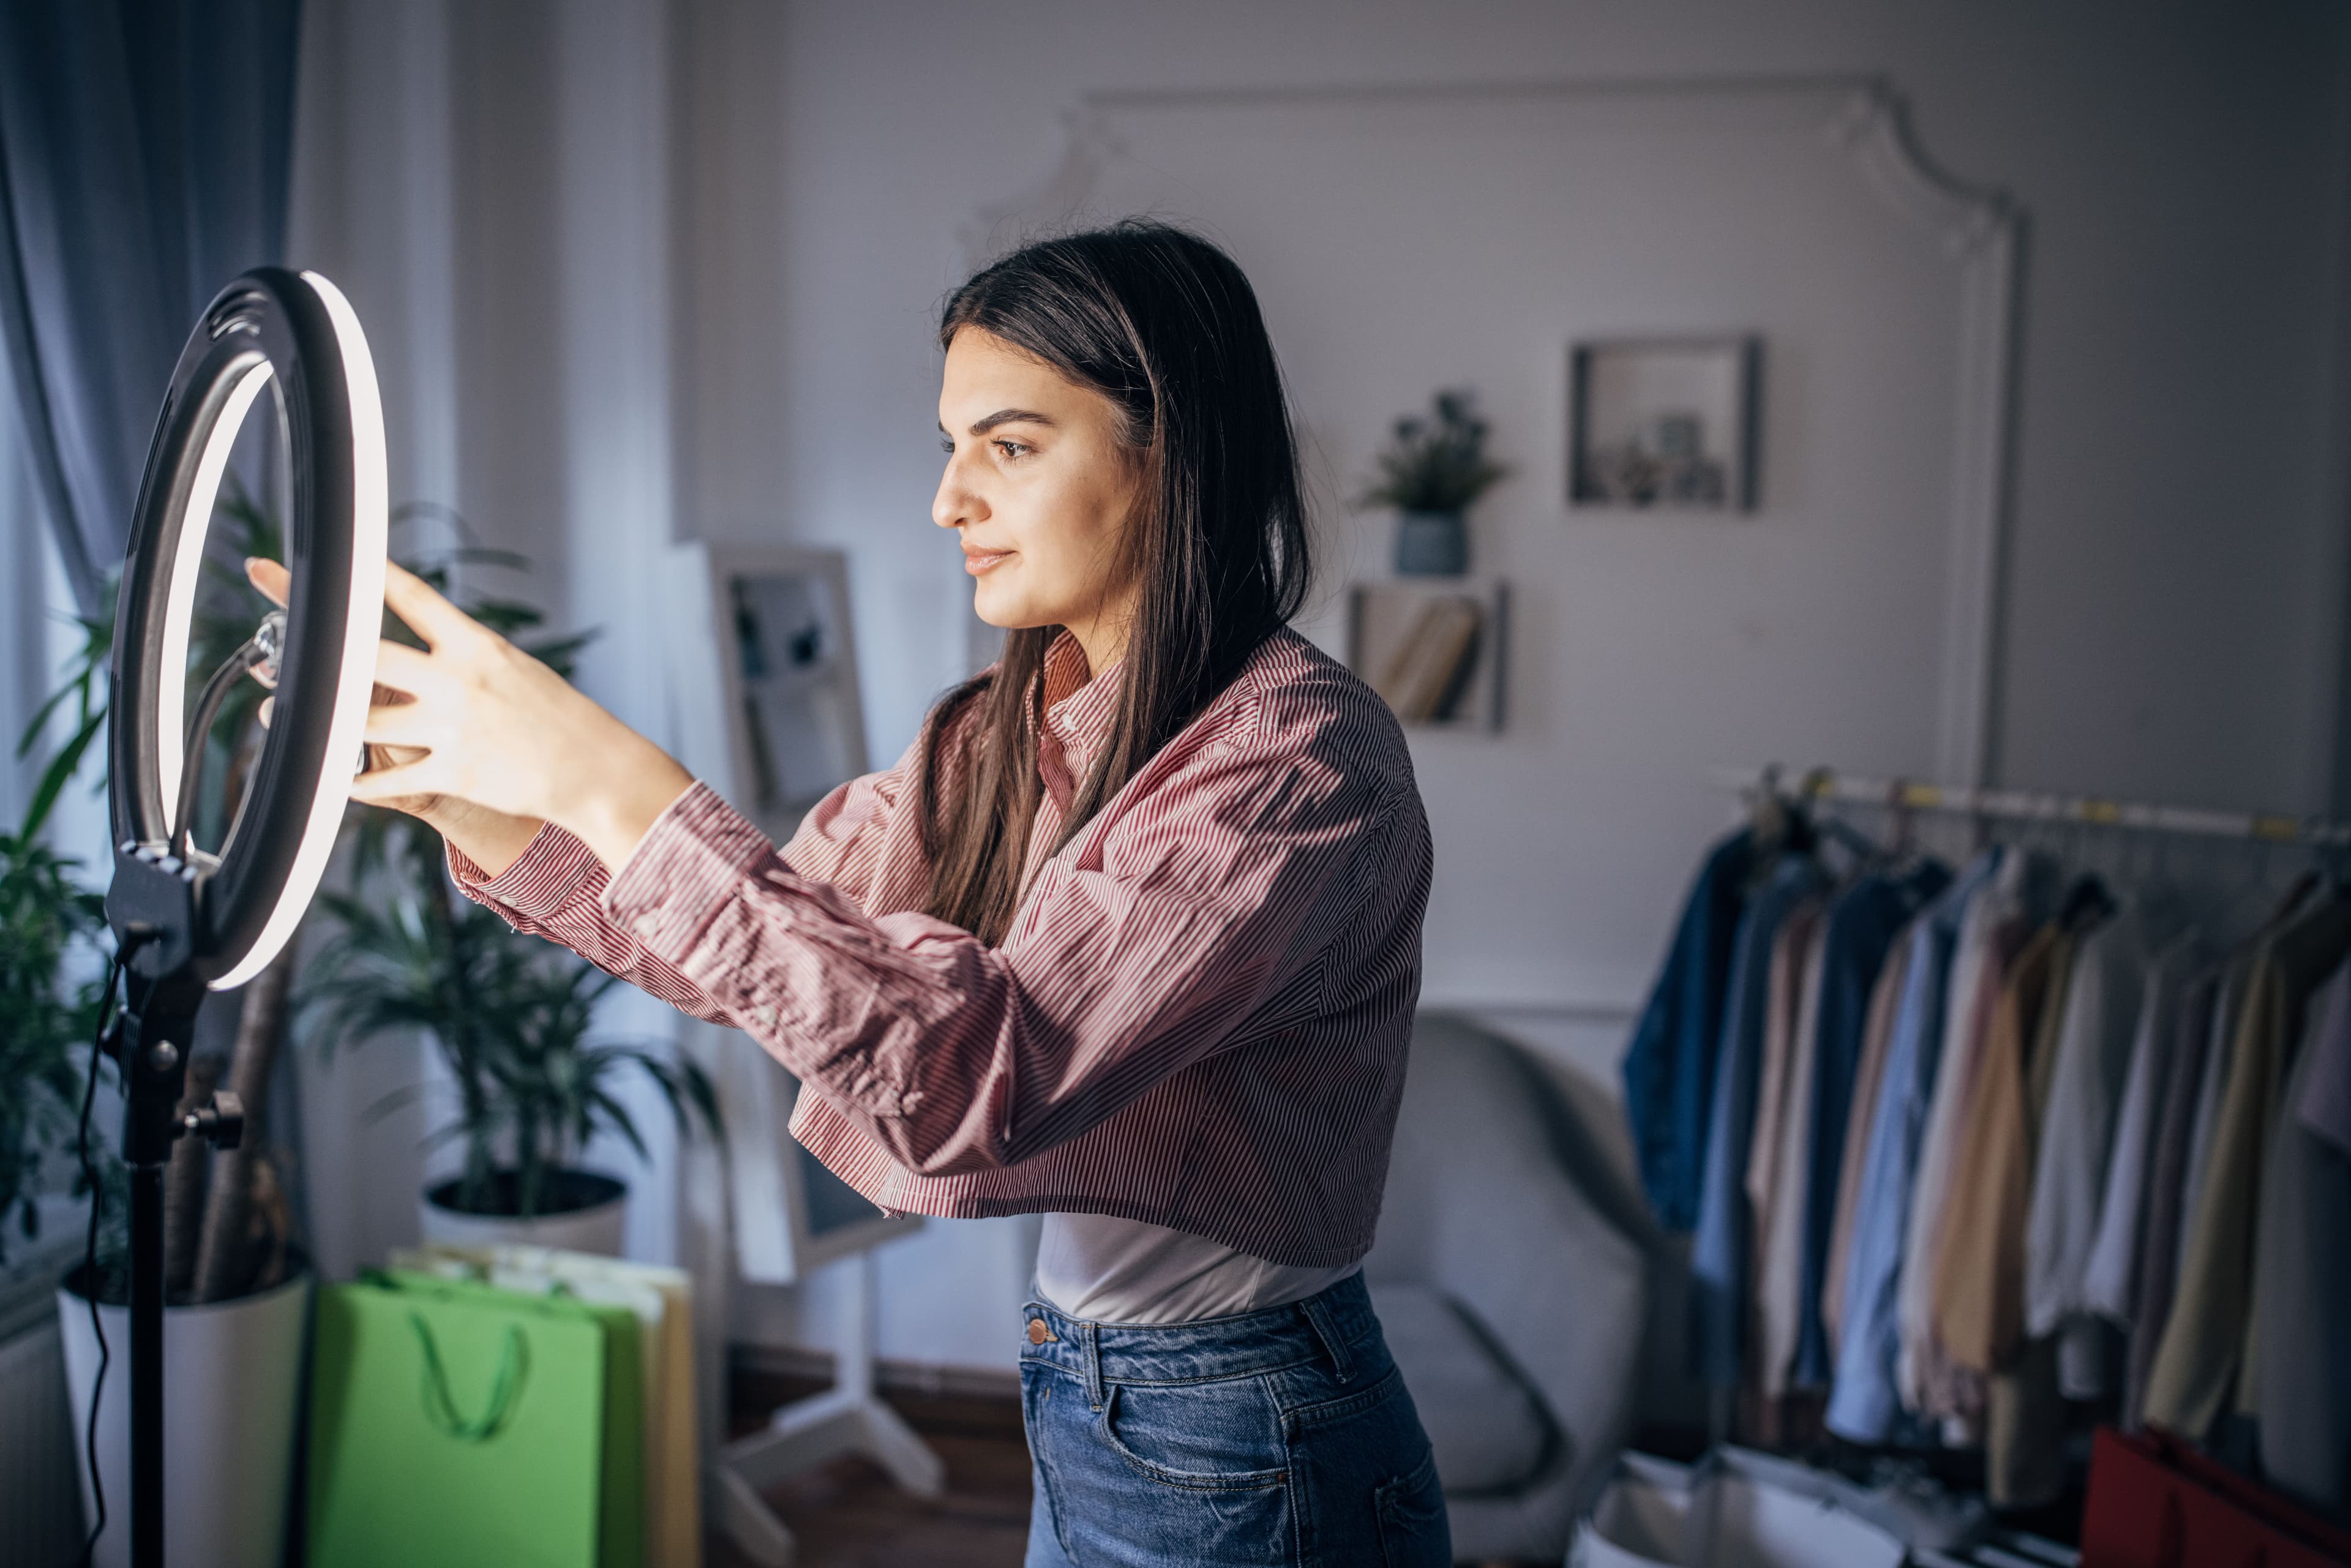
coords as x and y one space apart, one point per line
1105 1269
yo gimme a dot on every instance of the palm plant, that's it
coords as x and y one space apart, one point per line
43 1018
512 1018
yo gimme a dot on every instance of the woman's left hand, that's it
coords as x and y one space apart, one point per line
500 729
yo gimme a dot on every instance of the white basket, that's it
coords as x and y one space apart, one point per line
1735 1509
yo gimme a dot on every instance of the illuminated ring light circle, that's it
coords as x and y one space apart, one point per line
296 332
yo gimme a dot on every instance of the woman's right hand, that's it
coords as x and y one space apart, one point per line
491 839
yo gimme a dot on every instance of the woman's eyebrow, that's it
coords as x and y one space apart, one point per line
1010 416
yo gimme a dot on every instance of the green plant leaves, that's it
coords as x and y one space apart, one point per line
1438 466
511 1016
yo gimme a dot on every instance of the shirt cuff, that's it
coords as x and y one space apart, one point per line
690 861
542 880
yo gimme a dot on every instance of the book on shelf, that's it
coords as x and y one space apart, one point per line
1427 674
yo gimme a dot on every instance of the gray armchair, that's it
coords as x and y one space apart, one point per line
1514 1308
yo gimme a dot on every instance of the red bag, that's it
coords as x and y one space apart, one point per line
2155 1502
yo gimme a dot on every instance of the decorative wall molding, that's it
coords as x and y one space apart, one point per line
1984 231
1864 117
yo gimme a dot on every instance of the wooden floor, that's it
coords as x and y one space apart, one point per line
848 1515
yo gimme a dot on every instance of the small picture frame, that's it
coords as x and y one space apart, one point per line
1663 424
774 627
1435 648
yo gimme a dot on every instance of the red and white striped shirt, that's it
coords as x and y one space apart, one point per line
1197 1019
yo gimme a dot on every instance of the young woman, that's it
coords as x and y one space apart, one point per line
1130 936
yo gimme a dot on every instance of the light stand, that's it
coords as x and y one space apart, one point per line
188 922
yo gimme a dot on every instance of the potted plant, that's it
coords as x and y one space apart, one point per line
512 1018
1430 472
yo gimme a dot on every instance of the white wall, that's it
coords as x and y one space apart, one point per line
2174 626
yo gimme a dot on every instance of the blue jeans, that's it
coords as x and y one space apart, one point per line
1280 1437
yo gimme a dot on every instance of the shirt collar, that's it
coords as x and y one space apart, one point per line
1079 708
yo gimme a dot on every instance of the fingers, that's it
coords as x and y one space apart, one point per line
384 757
401 668
414 599
399 724
268 706
273 580
417 602
378 785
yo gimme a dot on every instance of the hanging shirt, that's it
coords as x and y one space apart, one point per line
1997 923
1721 1250
1979 1274
1198 1018
2322 1103
2211 1088
1863 1401
2088 1067
1980 1277
2109 1275
2197 1361
1775 1177
1877 1044
1861 931
2302 1277
1669 1066
2211 1012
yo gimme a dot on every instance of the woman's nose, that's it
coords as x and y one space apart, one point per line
955 503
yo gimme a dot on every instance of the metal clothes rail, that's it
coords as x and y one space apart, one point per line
2020 805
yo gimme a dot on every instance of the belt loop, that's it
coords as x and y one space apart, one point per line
1317 1318
1089 1355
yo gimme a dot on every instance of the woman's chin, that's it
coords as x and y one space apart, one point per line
1001 611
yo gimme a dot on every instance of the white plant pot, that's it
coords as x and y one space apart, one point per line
599 1229
232 1395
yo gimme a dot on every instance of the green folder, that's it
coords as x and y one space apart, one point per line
457 1424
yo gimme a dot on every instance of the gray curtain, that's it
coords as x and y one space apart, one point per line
145 151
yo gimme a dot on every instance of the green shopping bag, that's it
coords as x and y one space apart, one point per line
456 1423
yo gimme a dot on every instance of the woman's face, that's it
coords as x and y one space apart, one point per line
1039 487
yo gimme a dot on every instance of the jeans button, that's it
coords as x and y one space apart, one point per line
1037 1333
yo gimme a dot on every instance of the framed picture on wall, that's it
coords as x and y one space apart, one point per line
1663 424
785 666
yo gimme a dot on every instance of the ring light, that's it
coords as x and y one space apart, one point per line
299 335
188 922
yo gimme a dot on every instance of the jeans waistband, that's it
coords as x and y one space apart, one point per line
1326 1326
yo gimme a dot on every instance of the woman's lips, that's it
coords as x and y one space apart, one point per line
978 562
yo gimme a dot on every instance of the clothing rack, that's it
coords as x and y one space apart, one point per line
2019 805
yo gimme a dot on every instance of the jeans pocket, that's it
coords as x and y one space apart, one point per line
1414 1530
1202 1436
1190 1474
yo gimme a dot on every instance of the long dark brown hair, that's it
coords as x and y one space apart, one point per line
1163 324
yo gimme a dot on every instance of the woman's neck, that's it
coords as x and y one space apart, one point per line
1103 637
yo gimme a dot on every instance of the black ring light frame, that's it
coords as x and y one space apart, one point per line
188 923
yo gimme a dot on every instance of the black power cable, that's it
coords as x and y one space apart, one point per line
98 1052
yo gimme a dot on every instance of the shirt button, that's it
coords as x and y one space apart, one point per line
647 925
1037 1333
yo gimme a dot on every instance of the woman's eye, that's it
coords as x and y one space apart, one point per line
947 444
1014 450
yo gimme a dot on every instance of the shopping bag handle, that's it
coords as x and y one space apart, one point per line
441 1408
